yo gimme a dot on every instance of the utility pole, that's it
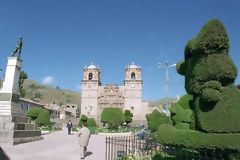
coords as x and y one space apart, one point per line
166 66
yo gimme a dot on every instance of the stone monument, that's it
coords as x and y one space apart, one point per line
15 127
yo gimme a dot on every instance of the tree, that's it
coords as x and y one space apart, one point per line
82 120
128 116
113 116
43 118
22 77
33 112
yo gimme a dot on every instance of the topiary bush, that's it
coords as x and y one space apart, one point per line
43 118
209 78
82 120
128 116
113 116
34 112
155 119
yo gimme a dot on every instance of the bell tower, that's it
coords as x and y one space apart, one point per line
133 88
90 86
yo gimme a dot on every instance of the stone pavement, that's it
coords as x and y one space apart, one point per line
57 146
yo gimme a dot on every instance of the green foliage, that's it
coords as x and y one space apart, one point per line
128 116
91 123
180 115
113 116
33 112
82 120
22 77
43 118
184 101
155 119
168 134
209 77
181 112
221 117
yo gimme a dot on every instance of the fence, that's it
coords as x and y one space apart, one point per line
121 146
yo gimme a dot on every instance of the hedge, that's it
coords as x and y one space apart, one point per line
168 134
155 119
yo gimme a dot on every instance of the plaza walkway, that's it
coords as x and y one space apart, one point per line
58 146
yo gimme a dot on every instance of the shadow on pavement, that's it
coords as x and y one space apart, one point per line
3 155
88 154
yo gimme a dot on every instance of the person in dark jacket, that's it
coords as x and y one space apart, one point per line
69 126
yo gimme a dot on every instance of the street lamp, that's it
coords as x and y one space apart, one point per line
166 66
1 80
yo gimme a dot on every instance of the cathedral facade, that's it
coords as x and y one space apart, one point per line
96 97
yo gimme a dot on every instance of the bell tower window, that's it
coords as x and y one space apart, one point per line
90 76
133 76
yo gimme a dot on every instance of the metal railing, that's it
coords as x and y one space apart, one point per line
121 146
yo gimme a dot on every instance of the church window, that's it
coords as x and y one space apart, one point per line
133 76
90 76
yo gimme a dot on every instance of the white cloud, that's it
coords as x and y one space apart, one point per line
47 80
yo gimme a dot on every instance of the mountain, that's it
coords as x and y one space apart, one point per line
47 94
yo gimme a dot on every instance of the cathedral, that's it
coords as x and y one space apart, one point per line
96 97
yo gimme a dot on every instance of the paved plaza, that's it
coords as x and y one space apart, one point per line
57 146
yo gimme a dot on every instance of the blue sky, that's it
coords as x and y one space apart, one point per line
61 37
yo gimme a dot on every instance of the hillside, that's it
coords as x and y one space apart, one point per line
48 94
161 102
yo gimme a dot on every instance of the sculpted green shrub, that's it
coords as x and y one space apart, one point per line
128 116
43 118
209 75
155 119
209 78
33 112
113 116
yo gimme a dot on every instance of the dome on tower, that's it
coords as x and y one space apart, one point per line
131 66
92 66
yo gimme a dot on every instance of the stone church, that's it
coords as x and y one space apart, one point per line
96 97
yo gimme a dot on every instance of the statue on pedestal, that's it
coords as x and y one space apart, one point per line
18 48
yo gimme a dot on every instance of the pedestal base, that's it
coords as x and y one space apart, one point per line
15 129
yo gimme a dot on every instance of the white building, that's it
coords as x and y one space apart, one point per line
96 97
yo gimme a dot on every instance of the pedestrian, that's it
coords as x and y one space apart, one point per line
83 139
69 126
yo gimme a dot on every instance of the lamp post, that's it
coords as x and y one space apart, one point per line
166 66
1 79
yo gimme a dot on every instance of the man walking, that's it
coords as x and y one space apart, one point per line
83 139
69 126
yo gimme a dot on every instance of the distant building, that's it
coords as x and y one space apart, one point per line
96 97
73 109
61 112
25 104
